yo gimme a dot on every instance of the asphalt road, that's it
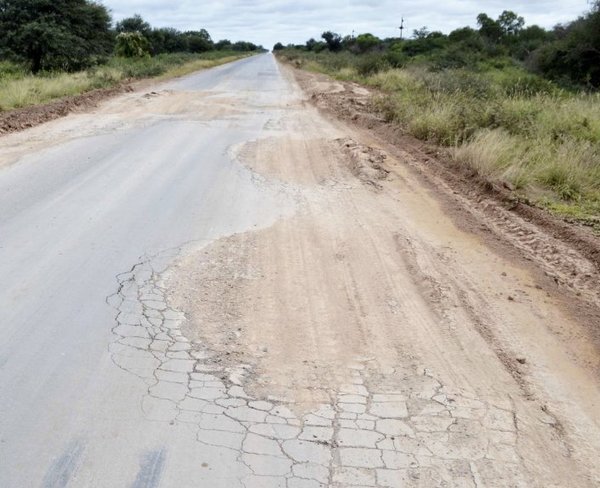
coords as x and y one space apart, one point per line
72 217
208 283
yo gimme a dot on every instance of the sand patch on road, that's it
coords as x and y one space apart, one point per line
295 300
203 105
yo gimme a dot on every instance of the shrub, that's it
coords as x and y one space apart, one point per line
11 70
396 59
132 45
371 64
366 42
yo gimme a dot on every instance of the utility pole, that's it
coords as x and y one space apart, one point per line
401 27
352 33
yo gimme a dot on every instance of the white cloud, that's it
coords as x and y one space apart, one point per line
268 21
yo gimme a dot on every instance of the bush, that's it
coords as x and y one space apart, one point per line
458 55
11 70
366 42
371 64
396 59
132 45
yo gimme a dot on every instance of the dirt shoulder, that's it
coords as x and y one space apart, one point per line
567 253
353 102
25 118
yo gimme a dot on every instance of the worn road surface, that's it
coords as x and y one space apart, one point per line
210 284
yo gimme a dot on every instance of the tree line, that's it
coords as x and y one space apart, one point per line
568 54
71 35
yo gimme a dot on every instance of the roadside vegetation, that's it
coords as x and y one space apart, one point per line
49 50
518 105
20 88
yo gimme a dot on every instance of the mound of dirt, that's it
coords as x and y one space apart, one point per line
366 163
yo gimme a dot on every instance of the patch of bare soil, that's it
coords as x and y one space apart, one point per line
174 103
115 111
354 103
24 118
283 158
568 254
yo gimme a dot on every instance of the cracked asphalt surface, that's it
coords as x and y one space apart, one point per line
394 431
211 285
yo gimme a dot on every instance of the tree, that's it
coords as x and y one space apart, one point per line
132 45
158 41
333 41
510 23
278 47
465 47
528 40
314 45
134 24
55 34
424 42
421 33
244 46
168 40
223 44
366 42
463 34
489 28
575 55
198 41
310 44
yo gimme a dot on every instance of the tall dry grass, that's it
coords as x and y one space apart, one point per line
33 90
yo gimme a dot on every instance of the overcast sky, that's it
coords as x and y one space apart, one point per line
268 21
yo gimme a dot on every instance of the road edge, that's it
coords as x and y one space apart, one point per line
27 117
477 205
429 157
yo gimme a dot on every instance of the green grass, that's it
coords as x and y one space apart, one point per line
20 89
507 124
